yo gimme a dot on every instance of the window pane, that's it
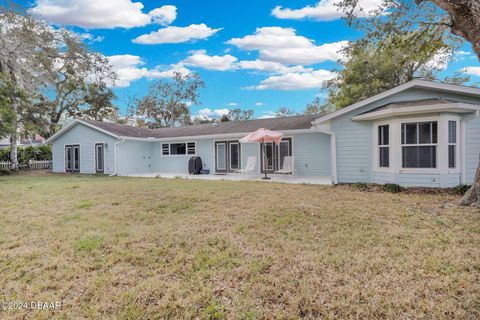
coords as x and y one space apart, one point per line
419 157
165 149
451 156
191 148
384 157
452 132
434 132
221 156
424 133
178 148
284 151
383 135
234 158
410 133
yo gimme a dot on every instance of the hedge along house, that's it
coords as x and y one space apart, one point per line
418 134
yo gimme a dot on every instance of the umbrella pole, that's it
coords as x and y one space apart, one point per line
265 159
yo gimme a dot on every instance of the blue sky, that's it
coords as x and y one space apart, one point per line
277 58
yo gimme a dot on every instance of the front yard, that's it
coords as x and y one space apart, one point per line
132 248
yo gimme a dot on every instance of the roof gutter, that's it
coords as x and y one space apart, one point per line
220 135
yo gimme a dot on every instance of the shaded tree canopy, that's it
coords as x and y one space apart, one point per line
166 103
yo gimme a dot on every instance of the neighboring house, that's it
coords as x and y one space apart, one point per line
33 141
418 134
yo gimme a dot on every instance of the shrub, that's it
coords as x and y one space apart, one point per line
360 186
26 154
392 187
461 189
4 172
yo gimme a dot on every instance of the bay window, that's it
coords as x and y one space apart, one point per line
419 145
383 146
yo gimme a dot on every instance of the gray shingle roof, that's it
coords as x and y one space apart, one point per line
277 124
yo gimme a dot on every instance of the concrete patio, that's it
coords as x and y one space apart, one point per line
296 179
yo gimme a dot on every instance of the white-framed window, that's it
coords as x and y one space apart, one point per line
384 146
180 148
452 144
419 144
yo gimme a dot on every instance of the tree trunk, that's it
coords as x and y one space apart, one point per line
464 19
14 151
472 197
13 140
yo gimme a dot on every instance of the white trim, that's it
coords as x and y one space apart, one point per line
414 110
412 84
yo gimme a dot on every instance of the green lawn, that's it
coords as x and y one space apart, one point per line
128 248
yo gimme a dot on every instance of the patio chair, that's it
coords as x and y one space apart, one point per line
250 167
288 167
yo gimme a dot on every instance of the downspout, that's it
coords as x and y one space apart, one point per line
115 157
333 152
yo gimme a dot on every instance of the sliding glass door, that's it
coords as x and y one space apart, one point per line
275 154
72 158
227 156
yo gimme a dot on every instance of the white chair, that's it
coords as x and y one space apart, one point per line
250 167
288 166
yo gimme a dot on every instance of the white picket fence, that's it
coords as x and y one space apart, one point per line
32 164
4 165
43 164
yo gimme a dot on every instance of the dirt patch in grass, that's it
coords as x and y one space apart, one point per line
126 248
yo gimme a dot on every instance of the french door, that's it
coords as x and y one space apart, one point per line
99 158
275 154
72 158
227 156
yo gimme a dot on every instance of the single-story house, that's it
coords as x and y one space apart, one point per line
420 133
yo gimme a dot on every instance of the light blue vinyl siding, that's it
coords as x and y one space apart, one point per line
472 148
134 157
86 137
381 177
355 144
312 154
179 163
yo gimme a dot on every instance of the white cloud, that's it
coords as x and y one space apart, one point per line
200 59
232 104
283 45
474 71
164 15
90 38
311 55
129 68
174 34
296 81
102 14
271 66
259 104
326 10
463 53
209 114
271 38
